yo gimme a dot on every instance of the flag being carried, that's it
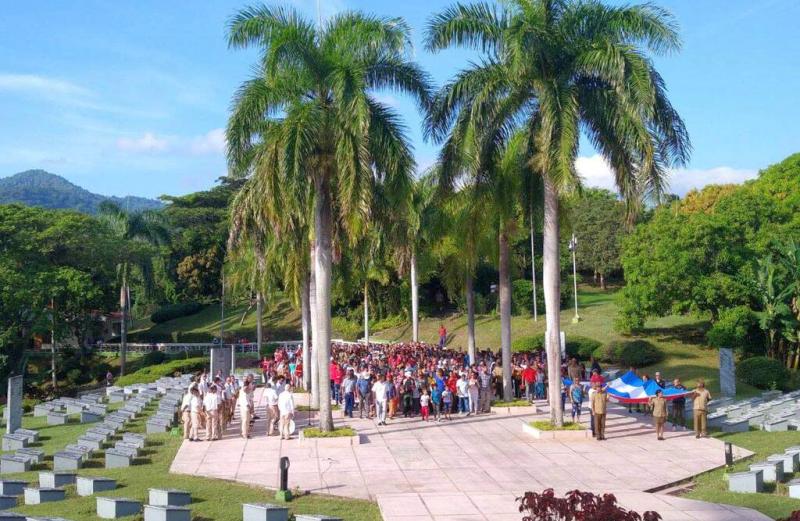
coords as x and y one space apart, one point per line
629 388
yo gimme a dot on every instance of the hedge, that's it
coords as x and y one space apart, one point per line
630 353
172 311
152 373
579 347
763 372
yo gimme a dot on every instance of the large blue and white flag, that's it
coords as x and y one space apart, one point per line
629 388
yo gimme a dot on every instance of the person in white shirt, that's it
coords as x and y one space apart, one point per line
195 409
271 397
186 413
243 402
380 392
462 387
211 405
286 408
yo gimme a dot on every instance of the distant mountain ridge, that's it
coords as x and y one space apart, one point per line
41 188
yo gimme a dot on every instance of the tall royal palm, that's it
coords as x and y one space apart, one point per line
556 68
309 118
130 228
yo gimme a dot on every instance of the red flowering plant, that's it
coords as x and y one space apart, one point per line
577 506
794 516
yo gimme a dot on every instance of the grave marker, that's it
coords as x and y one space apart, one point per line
13 409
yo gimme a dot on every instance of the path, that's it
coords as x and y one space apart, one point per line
472 468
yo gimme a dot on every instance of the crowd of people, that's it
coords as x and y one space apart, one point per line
419 380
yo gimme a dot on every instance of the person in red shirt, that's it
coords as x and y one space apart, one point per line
336 378
596 378
529 379
265 365
442 335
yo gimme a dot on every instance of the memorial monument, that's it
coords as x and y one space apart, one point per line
14 404
727 372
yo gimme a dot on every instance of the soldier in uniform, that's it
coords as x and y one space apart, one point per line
658 404
700 408
599 405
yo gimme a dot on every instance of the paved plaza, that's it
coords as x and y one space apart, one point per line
470 468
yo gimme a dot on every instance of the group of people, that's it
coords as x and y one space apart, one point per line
415 379
209 404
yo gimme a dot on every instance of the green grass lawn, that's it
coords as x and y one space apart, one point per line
774 503
213 500
680 337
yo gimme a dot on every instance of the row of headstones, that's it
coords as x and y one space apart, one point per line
24 456
772 411
88 407
164 504
773 470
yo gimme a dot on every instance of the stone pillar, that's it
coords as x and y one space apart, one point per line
13 410
221 360
727 372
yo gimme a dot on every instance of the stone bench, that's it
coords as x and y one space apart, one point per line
36 456
794 488
56 479
12 487
57 418
32 435
14 442
791 462
735 425
118 458
8 502
166 513
91 442
169 497
36 496
12 464
747 482
115 507
264 512
89 486
90 417
772 470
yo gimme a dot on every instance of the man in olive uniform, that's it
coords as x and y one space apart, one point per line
700 408
599 404
658 404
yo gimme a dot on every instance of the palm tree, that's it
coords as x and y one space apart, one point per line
308 120
147 227
555 68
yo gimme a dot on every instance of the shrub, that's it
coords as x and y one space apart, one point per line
763 372
630 353
154 358
521 297
152 373
389 322
736 328
346 329
528 343
578 505
581 347
172 311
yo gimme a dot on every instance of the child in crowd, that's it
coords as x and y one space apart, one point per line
424 404
447 400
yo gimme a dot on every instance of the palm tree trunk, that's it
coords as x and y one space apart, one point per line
312 298
259 320
366 313
414 300
470 319
552 299
504 290
123 336
305 313
533 267
322 233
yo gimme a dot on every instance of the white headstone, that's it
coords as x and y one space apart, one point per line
727 372
14 404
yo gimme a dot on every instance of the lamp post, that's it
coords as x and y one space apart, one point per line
573 244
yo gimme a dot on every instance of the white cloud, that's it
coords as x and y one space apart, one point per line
597 173
387 99
51 87
213 142
148 142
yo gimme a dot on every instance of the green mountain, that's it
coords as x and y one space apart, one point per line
40 188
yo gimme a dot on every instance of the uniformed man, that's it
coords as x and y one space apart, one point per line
700 408
599 405
658 404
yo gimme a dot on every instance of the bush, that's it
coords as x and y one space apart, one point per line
154 358
736 328
763 372
388 322
527 343
154 372
578 505
346 329
630 353
522 297
172 311
581 347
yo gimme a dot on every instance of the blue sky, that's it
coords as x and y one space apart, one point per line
131 97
